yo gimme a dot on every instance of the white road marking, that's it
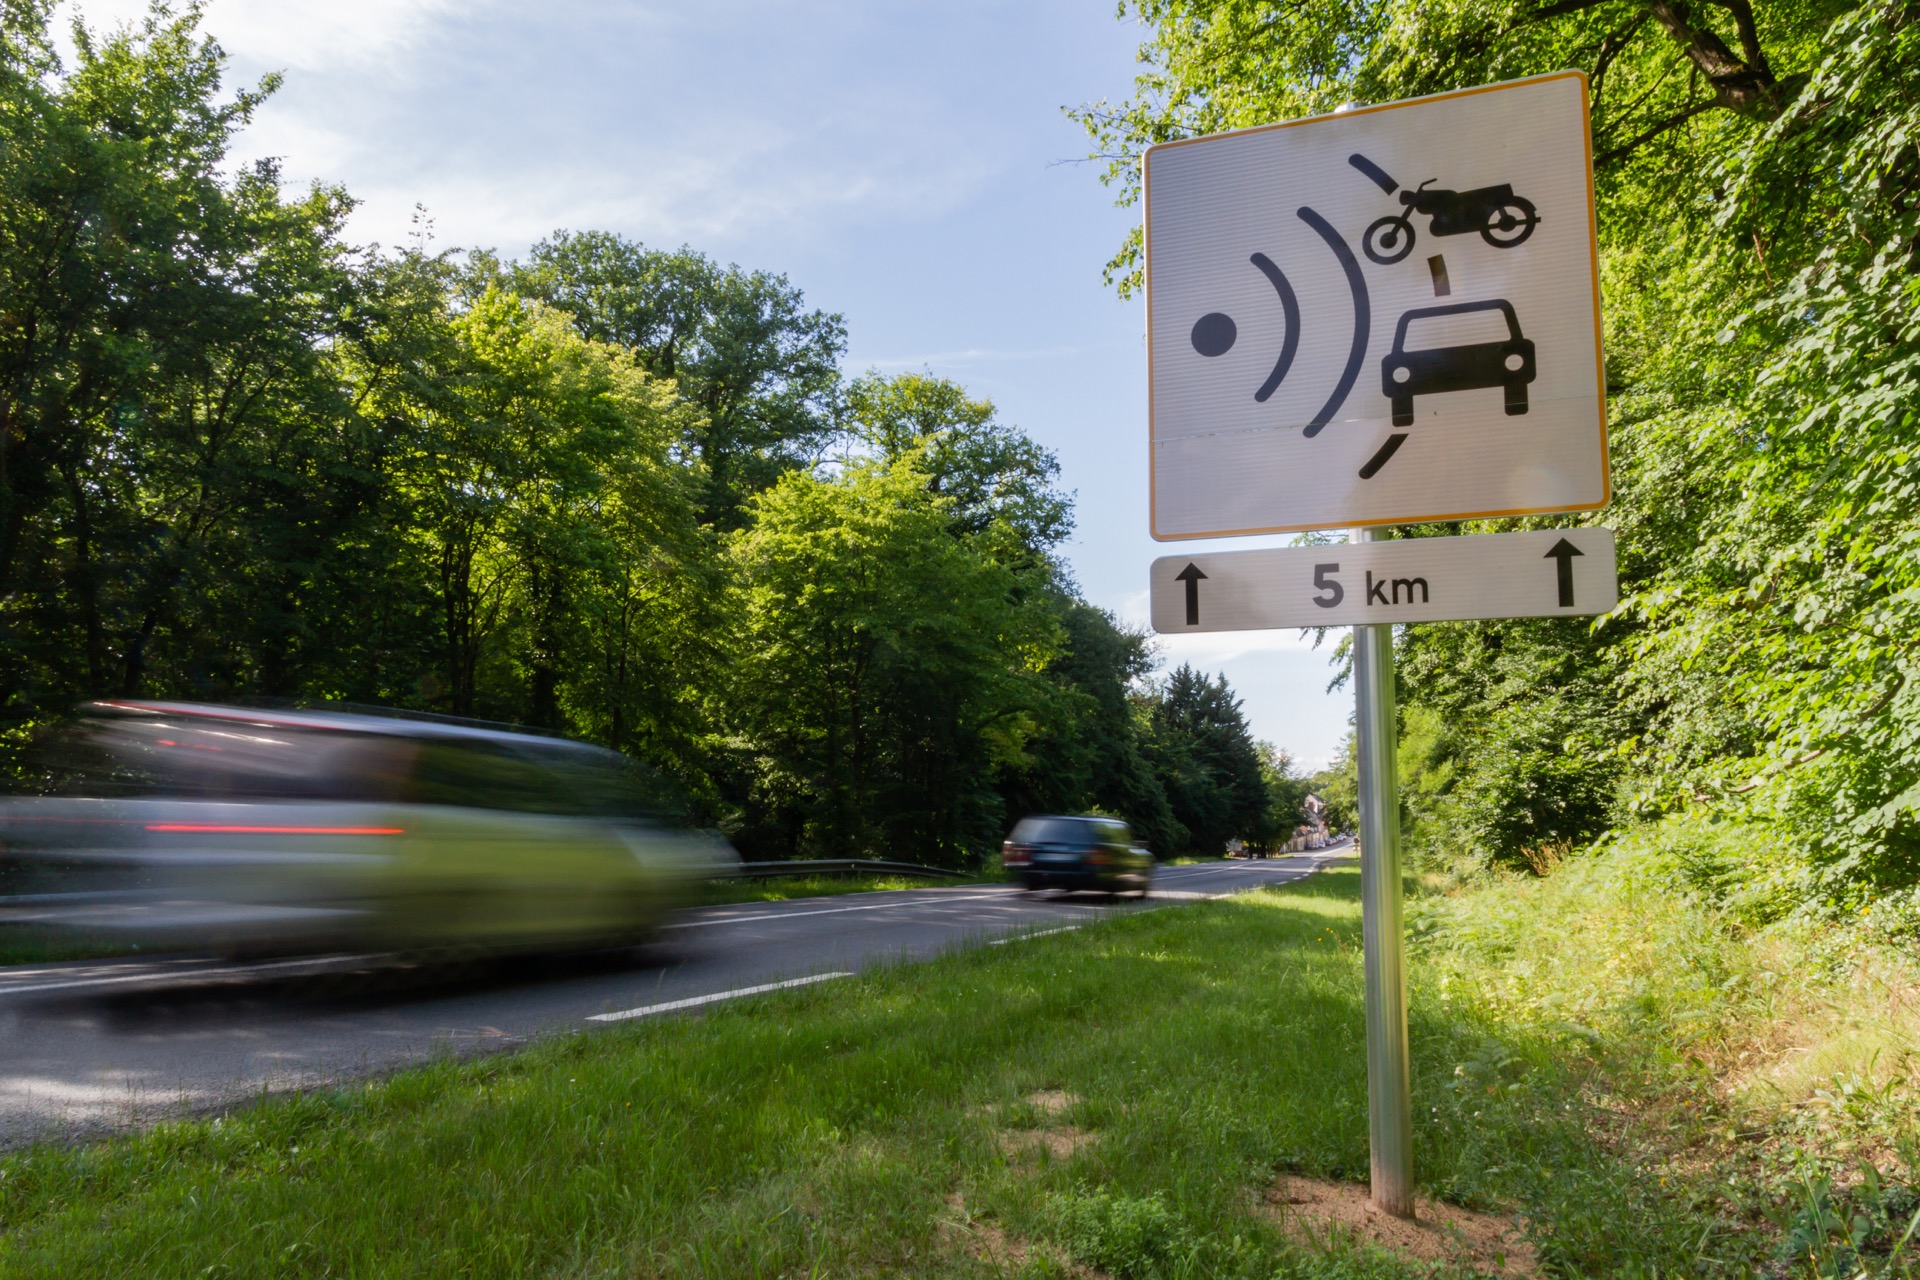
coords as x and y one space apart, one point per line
693 1001
755 917
155 977
1022 937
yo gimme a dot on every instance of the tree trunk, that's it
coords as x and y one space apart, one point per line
1743 82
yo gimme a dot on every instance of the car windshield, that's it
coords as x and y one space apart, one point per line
535 778
168 757
1461 329
186 758
1050 831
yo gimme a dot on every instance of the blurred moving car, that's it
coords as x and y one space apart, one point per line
178 825
1085 852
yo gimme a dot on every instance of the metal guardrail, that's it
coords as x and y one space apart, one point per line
836 866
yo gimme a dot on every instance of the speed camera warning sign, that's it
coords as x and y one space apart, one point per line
1386 315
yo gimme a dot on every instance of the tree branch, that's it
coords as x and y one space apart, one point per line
1611 46
1560 8
1627 148
1749 33
1747 88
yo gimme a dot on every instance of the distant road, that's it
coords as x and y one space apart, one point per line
95 1047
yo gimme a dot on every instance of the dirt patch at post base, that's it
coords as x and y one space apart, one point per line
1311 1209
1060 1141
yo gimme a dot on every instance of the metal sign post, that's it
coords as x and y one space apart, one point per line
1389 1074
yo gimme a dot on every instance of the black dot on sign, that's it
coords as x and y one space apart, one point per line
1213 334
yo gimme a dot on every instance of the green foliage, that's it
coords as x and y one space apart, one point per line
1339 786
588 491
884 669
174 450
1136 1237
1287 791
762 370
994 478
1215 784
1759 184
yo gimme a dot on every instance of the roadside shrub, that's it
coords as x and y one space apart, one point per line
1539 780
1133 1237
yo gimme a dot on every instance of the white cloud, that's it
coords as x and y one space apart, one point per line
728 192
305 34
509 122
981 355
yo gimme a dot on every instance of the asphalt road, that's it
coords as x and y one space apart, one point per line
94 1047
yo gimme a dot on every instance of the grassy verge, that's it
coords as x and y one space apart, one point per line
1650 1089
1119 1098
1764 1076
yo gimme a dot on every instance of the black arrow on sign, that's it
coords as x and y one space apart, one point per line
1563 551
1191 575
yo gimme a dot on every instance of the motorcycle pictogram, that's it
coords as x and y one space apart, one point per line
1502 218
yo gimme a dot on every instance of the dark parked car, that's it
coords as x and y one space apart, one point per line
1084 852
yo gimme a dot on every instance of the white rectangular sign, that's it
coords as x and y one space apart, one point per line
1538 573
1386 315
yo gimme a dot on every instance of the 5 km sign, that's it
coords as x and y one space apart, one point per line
1382 316
1540 573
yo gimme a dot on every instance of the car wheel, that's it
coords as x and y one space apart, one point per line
1403 411
1516 399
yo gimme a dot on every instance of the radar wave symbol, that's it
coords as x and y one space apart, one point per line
1215 333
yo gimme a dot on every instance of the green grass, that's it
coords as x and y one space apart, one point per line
1767 1074
823 1132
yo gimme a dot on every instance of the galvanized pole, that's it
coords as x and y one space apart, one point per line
1389 1077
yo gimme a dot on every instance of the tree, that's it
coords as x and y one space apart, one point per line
884 669
1339 786
1287 792
762 370
1088 751
994 476
1207 761
1758 183
171 435
1675 85
539 482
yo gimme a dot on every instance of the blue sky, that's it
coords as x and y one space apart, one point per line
900 163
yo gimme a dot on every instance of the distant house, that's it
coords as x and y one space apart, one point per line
1311 834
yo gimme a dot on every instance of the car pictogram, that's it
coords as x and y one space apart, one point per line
1508 365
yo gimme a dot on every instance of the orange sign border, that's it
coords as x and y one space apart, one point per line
1599 358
